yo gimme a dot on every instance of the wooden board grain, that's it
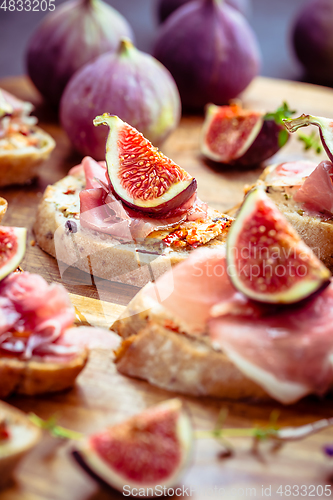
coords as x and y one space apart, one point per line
102 396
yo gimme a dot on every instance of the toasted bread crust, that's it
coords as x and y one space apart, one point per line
177 362
38 377
97 253
21 166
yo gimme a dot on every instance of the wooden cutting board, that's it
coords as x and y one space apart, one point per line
102 396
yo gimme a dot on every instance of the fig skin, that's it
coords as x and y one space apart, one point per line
129 84
210 50
166 208
313 42
74 34
167 7
265 145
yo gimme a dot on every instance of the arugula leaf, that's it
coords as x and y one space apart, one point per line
282 111
282 137
311 141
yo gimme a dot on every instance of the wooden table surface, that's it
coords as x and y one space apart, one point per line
102 396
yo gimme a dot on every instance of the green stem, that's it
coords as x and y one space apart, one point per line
293 124
125 47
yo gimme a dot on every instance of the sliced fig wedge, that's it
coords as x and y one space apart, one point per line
267 260
242 137
325 126
140 174
12 248
149 449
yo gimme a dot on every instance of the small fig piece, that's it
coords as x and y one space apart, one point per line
268 260
149 449
12 248
142 176
242 137
325 126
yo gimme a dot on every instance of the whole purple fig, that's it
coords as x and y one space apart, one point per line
210 50
313 40
167 7
74 34
127 83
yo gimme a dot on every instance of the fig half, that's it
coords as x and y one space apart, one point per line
267 260
142 177
148 450
12 248
325 126
242 137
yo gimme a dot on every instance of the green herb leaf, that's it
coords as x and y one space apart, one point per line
283 137
282 111
311 141
55 430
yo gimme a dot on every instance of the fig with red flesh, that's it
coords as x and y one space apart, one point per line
267 260
149 449
12 248
325 126
143 177
242 137
210 50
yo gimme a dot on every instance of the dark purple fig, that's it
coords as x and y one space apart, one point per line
313 40
325 126
74 34
242 137
210 50
130 84
167 7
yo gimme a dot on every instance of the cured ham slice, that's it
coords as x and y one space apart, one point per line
317 190
101 211
287 350
35 320
290 173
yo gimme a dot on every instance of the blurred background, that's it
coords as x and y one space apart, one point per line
270 19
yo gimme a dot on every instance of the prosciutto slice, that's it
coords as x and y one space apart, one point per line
290 173
101 211
317 190
35 318
287 350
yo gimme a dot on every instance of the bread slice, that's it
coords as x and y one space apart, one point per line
158 349
37 376
59 233
23 436
3 208
19 166
183 363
